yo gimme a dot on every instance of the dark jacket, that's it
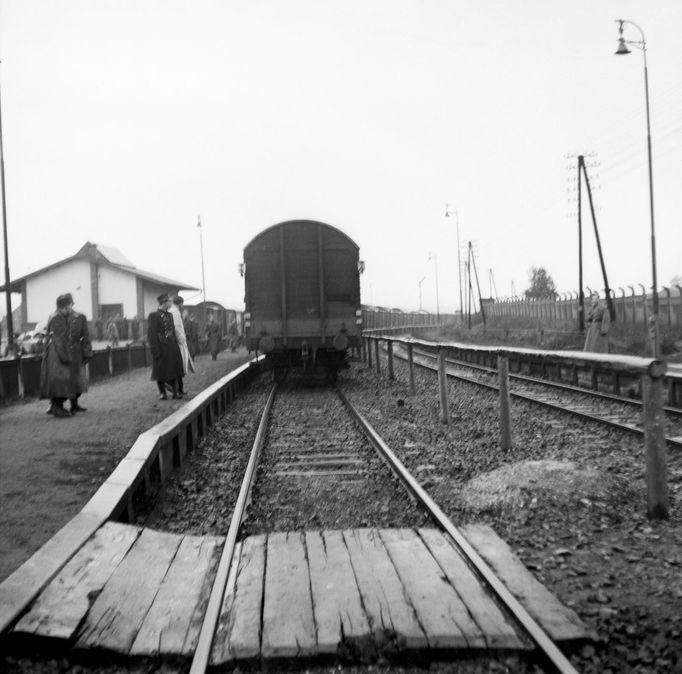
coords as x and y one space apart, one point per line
166 356
67 350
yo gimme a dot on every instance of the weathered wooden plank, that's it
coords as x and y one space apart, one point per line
118 612
239 628
108 501
390 613
288 624
497 630
173 623
440 610
220 651
65 601
24 584
337 604
559 621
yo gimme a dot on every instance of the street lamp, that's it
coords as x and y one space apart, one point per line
622 50
459 260
420 292
203 278
8 290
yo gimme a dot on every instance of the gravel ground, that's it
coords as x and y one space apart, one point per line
313 416
569 497
591 544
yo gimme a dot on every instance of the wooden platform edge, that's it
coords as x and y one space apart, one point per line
22 586
560 622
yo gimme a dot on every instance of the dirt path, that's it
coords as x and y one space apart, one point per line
50 467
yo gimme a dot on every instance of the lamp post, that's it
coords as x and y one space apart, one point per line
8 291
459 261
420 292
203 279
622 50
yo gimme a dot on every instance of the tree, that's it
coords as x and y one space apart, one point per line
541 284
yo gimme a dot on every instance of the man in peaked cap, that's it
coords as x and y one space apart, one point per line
67 350
167 360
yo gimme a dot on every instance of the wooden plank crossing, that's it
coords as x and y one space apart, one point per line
361 592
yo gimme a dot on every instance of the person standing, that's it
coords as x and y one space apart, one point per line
112 332
187 364
213 336
233 335
67 351
599 322
167 360
191 333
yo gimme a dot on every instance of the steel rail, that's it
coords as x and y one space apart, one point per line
673 442
673 411
537 635
202 652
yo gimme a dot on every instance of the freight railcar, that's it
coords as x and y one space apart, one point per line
302 296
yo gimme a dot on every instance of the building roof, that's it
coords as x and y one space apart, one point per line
103 255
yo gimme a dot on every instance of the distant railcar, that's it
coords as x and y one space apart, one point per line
302 296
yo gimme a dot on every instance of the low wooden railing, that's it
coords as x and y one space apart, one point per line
650 372
153 456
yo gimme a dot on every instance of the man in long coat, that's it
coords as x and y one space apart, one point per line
598 323
213 336
167 360
187 364
67 350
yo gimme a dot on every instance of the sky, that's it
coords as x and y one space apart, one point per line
124 120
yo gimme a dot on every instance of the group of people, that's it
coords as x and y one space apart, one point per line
173 341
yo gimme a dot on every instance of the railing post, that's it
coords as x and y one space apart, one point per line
110 358
20 376
410 358
376 354
654 440
443 386
505 417
130 358
369 353
390 359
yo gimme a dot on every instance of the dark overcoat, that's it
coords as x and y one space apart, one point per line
67 350
213 337
166 356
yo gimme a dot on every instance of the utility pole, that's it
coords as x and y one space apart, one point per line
459 260
203 278
8 292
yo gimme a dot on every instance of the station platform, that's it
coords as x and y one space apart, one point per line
352 593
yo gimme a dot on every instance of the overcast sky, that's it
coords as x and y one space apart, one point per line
125 119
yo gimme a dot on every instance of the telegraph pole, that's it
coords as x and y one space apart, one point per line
8 293
203 278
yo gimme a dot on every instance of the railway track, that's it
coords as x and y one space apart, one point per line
325 554
615 411
330 451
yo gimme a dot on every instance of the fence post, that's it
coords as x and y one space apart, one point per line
20 375
390 359
369 353
410 358
505 417
376 354
443 386
654 440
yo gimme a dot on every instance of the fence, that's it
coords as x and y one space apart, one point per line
633 308
649 372
20 377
